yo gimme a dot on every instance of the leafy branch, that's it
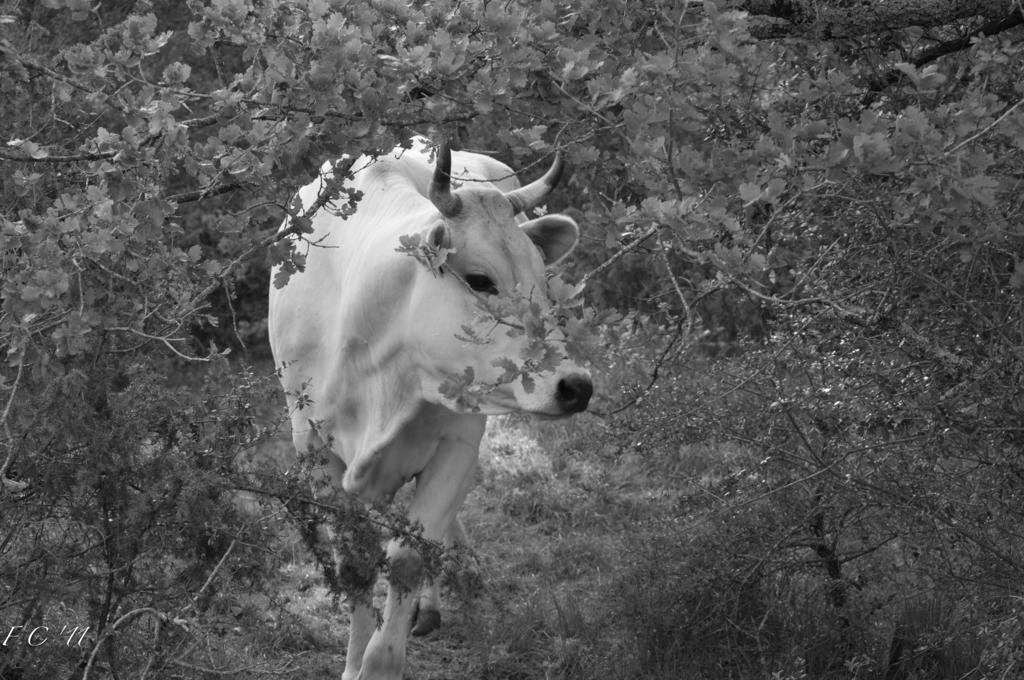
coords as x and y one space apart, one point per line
40 155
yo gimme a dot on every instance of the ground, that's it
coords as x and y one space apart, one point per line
549 537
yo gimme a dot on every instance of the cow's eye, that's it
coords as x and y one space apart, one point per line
481 283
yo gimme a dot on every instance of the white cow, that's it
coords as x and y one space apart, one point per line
368 336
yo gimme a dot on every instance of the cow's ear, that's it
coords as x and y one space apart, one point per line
439 236
555 235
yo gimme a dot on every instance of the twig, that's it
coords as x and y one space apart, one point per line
986 129
234 317
166 340
14 390
70 158
331 187
675 284
655 374
848 314
620 253
209 579
362 513
113 629
768 223
205 670
4 481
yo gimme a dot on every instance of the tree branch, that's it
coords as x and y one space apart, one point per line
205 192
841 19
993 27
1012 20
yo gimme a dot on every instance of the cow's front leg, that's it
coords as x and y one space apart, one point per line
440 490
428 610
362 623
362 617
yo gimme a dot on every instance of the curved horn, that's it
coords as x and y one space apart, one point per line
441 184
534 193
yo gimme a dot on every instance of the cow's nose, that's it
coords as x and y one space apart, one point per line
574 393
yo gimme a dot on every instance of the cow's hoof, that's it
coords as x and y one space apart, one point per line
426 621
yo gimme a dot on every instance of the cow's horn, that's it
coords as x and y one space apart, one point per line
441 185
534 193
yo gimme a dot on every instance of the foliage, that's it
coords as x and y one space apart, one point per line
563 328
835 217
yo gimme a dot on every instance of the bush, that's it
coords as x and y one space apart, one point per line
129 523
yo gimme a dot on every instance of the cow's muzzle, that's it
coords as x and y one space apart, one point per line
574 392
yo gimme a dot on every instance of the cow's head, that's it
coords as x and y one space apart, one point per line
495 285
